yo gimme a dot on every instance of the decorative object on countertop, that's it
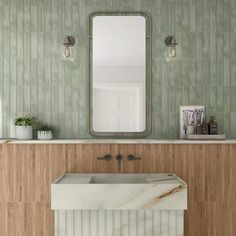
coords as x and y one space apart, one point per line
198 117
212 126
190 129
24 127
44 132
204 127
191 118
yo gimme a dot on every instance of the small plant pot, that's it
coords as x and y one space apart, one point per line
24 132
44 135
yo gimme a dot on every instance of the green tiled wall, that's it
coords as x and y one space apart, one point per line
34 79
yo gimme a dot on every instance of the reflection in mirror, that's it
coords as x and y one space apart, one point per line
118 73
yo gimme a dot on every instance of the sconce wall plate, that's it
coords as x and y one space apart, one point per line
69 41
170 41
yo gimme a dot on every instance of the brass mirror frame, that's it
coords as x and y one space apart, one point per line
148 78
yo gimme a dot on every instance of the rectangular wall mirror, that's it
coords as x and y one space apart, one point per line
120 74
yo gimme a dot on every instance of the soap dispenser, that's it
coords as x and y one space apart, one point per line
212 126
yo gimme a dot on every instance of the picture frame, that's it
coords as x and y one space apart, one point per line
188 117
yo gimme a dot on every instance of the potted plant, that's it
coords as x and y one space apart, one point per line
24 127
44 132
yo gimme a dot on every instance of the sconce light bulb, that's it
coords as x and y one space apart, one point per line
172 51
67 52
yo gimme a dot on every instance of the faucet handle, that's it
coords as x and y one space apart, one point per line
131 157
119 157
106 157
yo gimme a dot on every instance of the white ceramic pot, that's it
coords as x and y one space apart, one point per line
190 129
44 135
24 132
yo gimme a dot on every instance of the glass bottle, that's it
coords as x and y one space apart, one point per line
212 126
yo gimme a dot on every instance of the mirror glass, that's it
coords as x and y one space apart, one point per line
118 73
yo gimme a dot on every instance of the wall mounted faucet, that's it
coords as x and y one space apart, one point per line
106 157
131 157
119 157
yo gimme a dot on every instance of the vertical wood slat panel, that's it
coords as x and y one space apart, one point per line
26 218
26 172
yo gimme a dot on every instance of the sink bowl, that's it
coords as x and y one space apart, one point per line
118 179
119 191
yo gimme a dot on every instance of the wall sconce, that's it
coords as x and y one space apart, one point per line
171 43
68 44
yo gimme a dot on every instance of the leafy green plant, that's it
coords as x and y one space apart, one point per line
44 127
25 121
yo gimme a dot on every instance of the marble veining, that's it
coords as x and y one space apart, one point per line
153 202
119 205
166 192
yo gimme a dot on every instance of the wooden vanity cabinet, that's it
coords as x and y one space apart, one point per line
27 170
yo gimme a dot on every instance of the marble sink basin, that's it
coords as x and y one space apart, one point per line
119 191
118 179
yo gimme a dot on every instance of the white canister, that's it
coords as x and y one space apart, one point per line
24 132
190 129
44 135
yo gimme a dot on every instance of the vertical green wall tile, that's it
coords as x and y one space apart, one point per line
172 127
233 98
34 78
233 125
233 15
206 16
213 29
192 15
27 17
226 45
199 15
227 125
226 71
233 72
226 99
